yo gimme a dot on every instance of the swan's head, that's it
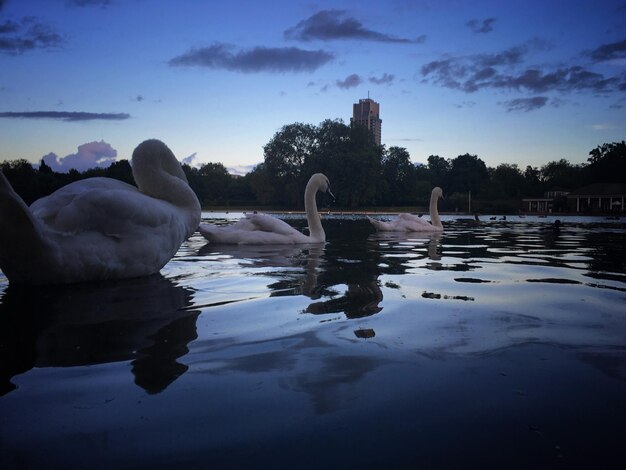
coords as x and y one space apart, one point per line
437 192
322 183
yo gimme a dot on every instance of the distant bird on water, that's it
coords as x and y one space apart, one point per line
413 223
263 229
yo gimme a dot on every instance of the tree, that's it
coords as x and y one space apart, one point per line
398 177
505 181
607 164
561 174
439 169
284 158
467 173
532 183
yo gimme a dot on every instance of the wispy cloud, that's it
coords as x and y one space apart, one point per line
328 25
190 160
481 27
241 170
258 59
18 37
350 81
506 71
386 78
405 139
89 155
526 104
89 3
612 51
65 115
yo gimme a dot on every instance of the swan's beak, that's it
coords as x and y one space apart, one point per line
328 191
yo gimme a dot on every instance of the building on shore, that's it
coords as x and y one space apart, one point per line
591 199
598 198
367 113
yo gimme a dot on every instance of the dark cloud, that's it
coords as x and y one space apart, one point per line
481 27
89 155
505 71
385 78
615 50
327 25
258 59
526 104
139 98
66 115
89 3
26 35
350 81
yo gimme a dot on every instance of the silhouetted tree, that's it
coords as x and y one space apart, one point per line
505 181
467 173
561 174
439 169
607 164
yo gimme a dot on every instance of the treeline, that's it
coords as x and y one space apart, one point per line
362 174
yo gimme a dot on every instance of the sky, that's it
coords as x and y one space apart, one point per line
83 82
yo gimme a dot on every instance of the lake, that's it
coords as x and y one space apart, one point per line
500 345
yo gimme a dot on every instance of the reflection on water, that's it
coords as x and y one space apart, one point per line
147 321
500 335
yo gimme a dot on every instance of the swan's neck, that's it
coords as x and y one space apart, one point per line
434 213
312 216
159 175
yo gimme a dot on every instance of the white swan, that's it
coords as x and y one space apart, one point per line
263 229
100 228
413 223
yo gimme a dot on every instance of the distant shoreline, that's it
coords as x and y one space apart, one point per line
401 211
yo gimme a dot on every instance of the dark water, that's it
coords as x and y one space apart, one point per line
501 345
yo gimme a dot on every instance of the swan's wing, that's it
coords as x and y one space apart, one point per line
403 224
240 234
381 226
107 207
267 223
60 211
407 216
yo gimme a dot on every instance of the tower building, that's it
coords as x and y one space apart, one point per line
367 113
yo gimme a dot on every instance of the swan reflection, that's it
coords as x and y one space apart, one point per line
145 320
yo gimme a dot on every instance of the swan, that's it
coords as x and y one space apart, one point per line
100 228
413 223
263 229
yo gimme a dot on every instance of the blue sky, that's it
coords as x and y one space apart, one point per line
82 82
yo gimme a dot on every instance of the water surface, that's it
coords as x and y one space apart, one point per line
498 344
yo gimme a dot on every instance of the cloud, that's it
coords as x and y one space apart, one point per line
350 81
190 159
405 139
385 78
526 104
481 27
258 59
241 170
504 71
26 35
466 104
612 51
89 3
603 127
89 155
65 115
327 25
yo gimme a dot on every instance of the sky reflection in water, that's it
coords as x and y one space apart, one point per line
490 343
